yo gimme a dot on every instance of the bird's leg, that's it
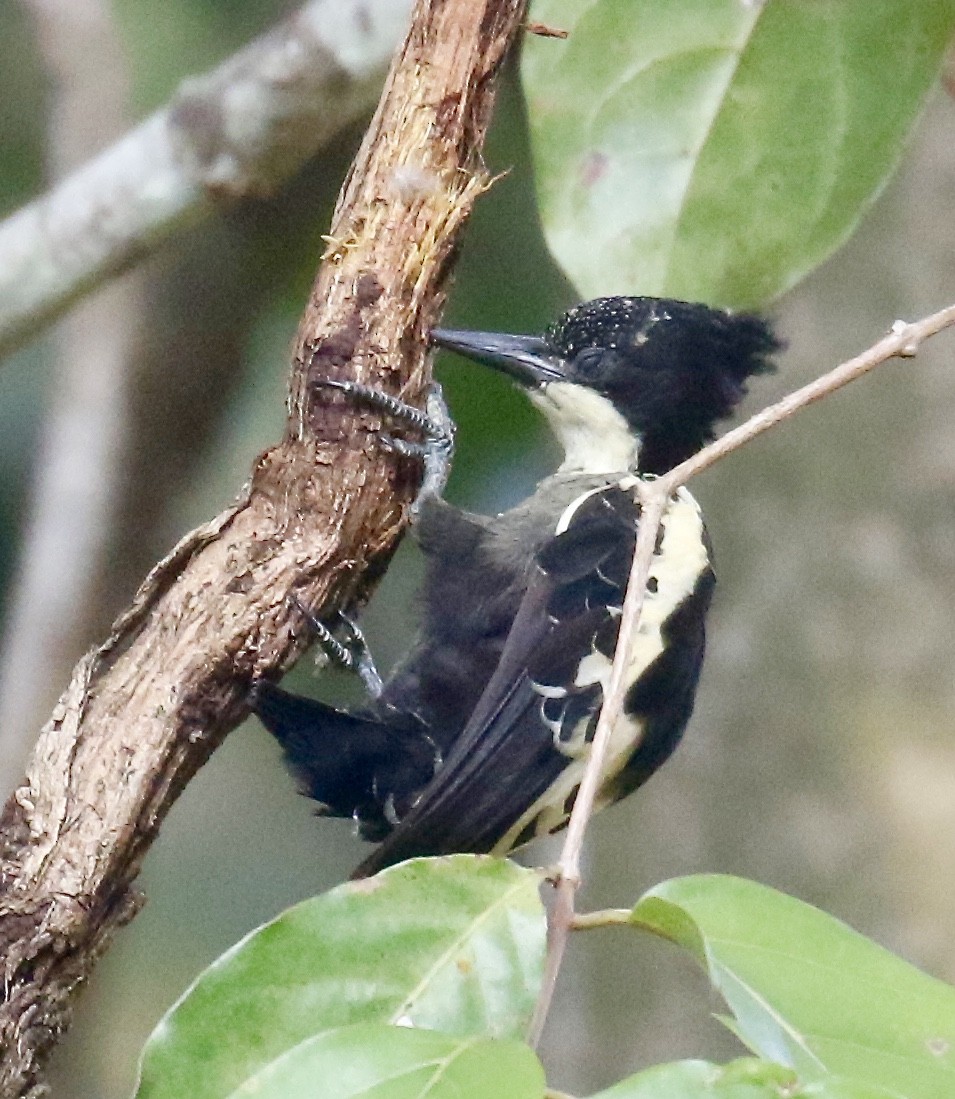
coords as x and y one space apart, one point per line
434 423
352 654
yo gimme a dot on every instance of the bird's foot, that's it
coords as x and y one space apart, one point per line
352 654
434 423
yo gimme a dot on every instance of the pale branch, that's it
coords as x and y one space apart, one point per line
567 878
86 441
315 527
902 342
238 130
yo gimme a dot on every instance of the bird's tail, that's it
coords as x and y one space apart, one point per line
359 766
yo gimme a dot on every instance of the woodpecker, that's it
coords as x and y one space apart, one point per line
479 738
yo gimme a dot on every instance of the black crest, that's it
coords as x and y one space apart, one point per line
673 368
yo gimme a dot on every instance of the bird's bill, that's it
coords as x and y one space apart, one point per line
526 359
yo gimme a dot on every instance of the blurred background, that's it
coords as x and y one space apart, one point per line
820 759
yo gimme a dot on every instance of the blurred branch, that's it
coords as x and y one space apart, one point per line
316 526
86 435
239 130
902 342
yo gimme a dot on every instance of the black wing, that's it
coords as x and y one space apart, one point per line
518 741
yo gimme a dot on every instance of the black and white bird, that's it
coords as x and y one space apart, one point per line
478 740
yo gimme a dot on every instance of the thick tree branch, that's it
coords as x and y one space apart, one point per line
238 130
319 519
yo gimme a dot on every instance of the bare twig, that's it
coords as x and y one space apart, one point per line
567 879
902 342
238 130
320 517
543 30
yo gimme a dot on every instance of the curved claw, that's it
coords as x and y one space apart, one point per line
353 653
434 422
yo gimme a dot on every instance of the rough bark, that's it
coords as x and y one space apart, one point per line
317 522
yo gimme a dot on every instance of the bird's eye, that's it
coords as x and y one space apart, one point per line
591 364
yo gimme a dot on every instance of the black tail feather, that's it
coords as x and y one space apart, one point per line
355 765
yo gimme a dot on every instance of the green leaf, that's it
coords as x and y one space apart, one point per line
809 992
455 944
716 150
376 1060
744 1079
838 1087
747 1078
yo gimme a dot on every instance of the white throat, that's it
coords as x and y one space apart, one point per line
595 436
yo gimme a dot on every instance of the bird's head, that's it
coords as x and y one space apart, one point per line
630 380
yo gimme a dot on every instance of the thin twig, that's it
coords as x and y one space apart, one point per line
902 342
568 869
